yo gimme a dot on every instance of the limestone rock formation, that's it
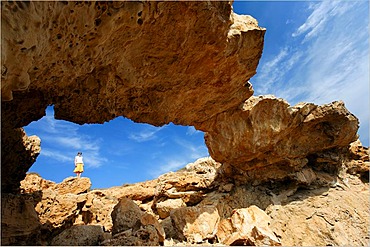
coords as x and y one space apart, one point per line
148 71
247 226
80 235
185 73
33 182
20 223
73 185
18 153
164 208
131 226
126 215
197 223
268 139
309 207
359 162
95 61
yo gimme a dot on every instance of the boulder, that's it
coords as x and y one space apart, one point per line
34 182
268 139
148 219
358 160
126 215
59 211
164 208
80 235
131 226
145 236
73 185
196 223
247 226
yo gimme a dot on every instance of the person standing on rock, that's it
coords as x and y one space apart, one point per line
79 165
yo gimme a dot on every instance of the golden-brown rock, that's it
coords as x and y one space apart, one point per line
247 226
147 73
95 61
308 207
34 182
197 223
80 236
267 138
73 185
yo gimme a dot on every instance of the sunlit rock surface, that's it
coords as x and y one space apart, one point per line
268 139
95 61
289 165
296 211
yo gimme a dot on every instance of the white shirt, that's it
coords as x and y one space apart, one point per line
78 159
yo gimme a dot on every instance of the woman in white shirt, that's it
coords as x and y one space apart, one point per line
79 164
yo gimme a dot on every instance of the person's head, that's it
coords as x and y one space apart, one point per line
79 153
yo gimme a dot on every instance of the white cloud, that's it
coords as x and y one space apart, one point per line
321 14
61 140
94 159
56 155
192 131
331 64
147 134
190 152
274 71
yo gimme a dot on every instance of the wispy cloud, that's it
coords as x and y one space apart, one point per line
147 134
192 131
60 141
273 71
190 152
56 155
322 13
329 61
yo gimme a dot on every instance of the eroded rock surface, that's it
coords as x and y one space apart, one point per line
18 153
310 207
147 73
268 139
247 226
80 235
95 61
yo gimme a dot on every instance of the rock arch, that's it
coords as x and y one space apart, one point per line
145 61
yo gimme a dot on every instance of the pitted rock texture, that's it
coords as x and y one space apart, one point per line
95 61
141 60
270 139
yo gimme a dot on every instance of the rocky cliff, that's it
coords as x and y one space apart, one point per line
197 205
297 169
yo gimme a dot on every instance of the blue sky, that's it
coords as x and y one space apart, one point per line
314 52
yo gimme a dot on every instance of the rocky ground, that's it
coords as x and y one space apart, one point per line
197 205
288 175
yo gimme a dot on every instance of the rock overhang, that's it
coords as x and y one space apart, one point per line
146 62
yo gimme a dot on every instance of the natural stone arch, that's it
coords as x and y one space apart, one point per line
146 62
140 60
